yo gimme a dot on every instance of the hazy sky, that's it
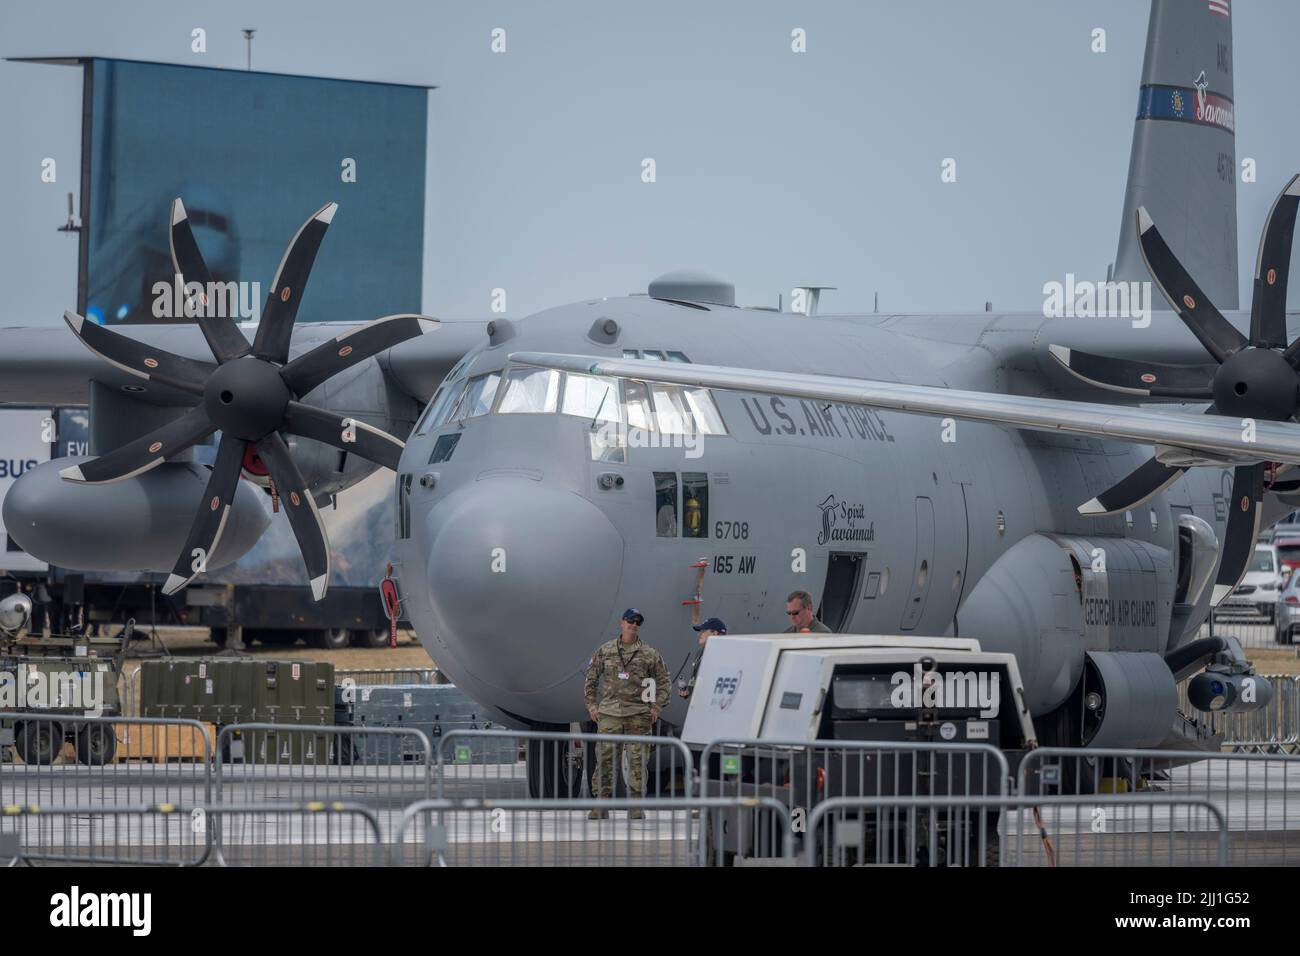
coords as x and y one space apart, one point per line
774 168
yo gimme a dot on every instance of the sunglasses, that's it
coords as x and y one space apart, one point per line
793 613
636 620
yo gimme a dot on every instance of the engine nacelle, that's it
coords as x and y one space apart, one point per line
1050 597
138 524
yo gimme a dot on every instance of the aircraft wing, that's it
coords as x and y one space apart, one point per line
1212 438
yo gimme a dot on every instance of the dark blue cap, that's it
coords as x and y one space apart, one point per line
712 624
632 614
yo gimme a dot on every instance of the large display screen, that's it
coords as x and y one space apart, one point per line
253 155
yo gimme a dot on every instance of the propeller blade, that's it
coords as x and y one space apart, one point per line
147 451
210 521
1153 379
329 358
1195 309
138 359
1272 269
1142 483
221 331
349 434
301 509
1243 529
276 327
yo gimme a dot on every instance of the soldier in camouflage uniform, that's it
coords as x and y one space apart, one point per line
618 676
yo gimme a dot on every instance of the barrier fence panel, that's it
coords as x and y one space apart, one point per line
507 764
1257 793
1274 728
979 831
562 832
802 774
54 760
314 833
382 769
1253 626
99 835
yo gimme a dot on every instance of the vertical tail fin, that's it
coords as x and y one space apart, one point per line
1183 167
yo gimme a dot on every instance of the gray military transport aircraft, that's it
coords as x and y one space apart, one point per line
995 476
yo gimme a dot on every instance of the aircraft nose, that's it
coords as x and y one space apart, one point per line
522 578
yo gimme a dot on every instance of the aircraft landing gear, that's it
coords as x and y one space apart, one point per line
556 768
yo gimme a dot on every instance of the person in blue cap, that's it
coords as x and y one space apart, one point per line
625 691
706 629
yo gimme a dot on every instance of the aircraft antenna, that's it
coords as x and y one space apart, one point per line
248 37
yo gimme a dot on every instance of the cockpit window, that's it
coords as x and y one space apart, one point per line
636 399
480 392
447 391
707 418
450 402
671 414
594 397
530 391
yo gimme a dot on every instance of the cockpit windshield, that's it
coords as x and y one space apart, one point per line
654 407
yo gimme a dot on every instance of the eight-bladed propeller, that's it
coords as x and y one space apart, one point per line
252 395
1253 378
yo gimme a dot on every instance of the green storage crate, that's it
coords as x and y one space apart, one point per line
225 691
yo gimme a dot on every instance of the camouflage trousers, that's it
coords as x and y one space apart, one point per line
609 756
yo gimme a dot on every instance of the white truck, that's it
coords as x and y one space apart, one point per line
803 718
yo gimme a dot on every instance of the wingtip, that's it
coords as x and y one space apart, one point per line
174 583
326 214
1293 187
1144 220
1061 353
74 320
178 210
319 586
428 324
72 473
1092 507
1221 591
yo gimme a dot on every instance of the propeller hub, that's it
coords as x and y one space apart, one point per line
246 398
1256 383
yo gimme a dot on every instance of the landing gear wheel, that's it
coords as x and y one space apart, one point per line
38 742
96 745
555 769
333 638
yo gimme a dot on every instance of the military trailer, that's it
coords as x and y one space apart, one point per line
803 713
49 685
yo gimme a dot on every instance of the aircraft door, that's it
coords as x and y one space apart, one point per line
839 597
923 565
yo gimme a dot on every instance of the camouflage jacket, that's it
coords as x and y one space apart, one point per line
616 696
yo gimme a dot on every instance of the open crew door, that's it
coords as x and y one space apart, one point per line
840 596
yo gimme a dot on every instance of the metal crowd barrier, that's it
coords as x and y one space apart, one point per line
1257 793
106 835
313 833
1275 728
1249 627
1112 830
561 832
802 774
85 761
309 834
381 767
563 765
